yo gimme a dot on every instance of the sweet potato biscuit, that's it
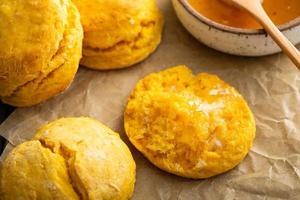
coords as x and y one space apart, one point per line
191 126
118 33
40 49
71 158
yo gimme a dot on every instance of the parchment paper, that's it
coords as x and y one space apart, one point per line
271 86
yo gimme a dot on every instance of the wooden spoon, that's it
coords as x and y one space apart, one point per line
255 8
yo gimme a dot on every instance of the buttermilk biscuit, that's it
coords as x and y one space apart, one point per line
71 158
118 33
40 49
194 126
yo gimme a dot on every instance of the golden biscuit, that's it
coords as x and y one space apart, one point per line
40 49
70 158
118 33
191 126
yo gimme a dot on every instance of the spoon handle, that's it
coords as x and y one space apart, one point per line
288 48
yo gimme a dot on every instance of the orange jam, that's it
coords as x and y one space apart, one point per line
280 11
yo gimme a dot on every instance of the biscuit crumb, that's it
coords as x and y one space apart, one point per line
185 131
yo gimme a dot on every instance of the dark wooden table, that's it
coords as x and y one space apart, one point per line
5 110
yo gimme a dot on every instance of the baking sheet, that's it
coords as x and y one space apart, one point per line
271 86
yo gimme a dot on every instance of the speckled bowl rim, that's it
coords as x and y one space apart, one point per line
229 29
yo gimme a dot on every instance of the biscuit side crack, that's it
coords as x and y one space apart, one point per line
69 157
3 76
131 43
39 82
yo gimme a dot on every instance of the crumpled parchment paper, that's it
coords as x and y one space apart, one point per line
271 85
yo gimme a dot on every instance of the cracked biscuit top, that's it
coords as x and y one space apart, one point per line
194 126
37 38
118 33
70 158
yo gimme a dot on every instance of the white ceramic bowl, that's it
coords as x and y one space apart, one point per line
243 42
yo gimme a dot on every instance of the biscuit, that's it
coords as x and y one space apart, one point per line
118 33
70 158
194 126
40 49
